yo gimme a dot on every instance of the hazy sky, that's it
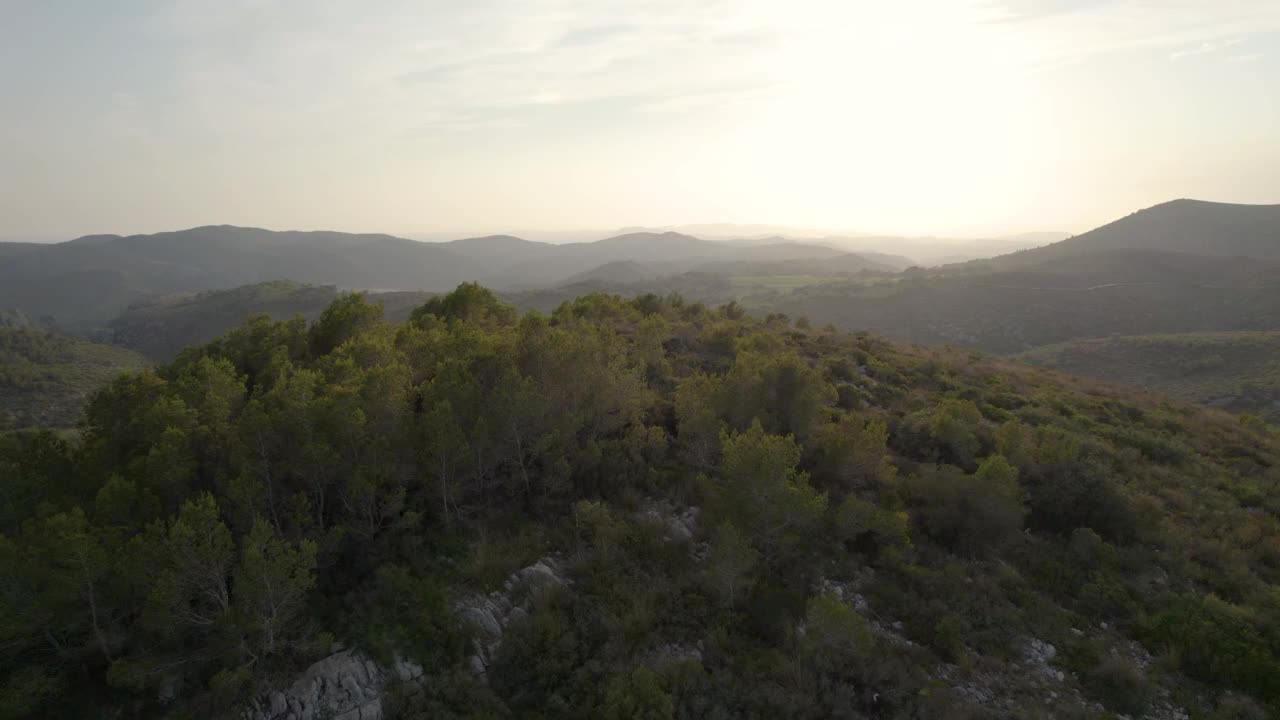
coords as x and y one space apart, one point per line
910 116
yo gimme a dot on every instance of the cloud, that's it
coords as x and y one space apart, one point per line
593 35
247 65
1203 49
1053 33
1023 10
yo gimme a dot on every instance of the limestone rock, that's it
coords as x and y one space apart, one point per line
343 686
491 614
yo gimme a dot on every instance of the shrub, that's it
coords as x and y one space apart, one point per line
1120 685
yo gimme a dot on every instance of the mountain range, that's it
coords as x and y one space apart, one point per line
81 284
1180 267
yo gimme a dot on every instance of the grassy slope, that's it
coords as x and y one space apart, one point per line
1237 371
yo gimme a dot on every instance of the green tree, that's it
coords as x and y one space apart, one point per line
697 423
638 696
469 302
782 391
732 563
835 635
954 429
851 454
764 493
972 514
271 586
191 590
871 529
62 584
345 318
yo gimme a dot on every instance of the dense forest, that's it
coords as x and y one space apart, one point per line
879 530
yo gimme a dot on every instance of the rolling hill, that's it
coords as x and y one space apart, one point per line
1183 266
555 265
1187 226
159 328
1126 292
81 284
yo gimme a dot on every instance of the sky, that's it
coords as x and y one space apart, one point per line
947 117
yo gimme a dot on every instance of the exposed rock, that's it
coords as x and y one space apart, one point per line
675 652
492 613
846 592
680 523
1037 654
344 686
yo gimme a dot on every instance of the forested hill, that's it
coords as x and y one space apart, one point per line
739 518
1186 226
1237 371
161 327
45 379
81 284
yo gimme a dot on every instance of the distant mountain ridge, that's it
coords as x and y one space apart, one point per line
85 282
1186 226
82 283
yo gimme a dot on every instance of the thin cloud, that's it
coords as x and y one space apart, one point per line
593 35
1055 33
1204 49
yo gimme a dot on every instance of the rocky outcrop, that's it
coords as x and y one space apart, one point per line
344 686
348 685
491 614
679 524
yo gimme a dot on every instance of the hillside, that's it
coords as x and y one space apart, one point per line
1126 292
46 379
1175 268
633 509
1239 372
161 327
632 278
1187 226
499 250
895 250
660 253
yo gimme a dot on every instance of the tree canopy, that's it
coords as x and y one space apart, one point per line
874 522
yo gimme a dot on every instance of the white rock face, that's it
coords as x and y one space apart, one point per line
344 686
680 523
348 685
492 613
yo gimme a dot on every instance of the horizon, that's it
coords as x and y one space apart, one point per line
562 236
945 118
749 231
